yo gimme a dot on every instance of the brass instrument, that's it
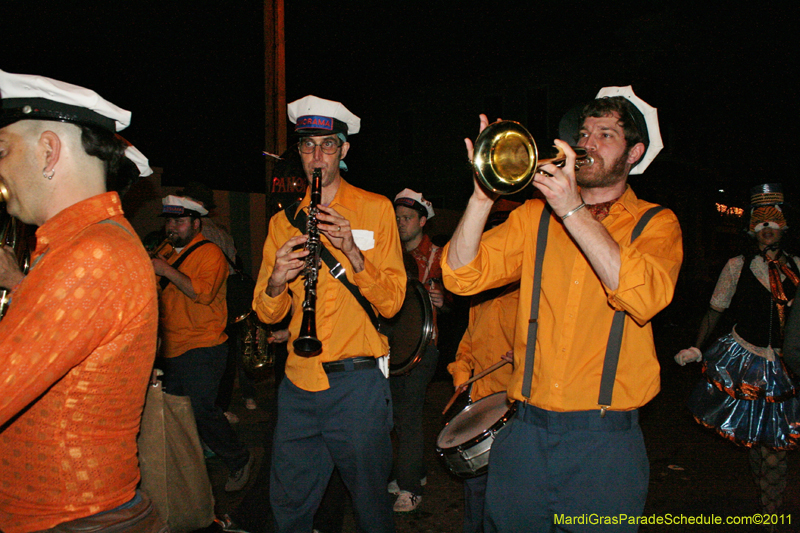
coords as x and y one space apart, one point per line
307 344
14 234
258 354
165 250
506 158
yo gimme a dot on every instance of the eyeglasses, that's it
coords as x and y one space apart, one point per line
328 146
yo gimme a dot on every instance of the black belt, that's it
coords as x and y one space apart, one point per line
349 365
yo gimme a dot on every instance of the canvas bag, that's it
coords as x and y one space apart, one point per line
171 461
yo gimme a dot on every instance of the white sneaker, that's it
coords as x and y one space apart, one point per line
406 502
394 488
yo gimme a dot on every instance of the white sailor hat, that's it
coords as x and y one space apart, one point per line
178 206
137 158
27 97
646 118
316 116
414 200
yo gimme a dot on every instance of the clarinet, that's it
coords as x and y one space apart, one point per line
307 344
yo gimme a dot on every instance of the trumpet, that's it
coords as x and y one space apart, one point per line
13 234
506 157
165 250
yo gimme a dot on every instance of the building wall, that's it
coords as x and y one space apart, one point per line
242 214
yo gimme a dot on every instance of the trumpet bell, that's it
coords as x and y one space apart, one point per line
505 157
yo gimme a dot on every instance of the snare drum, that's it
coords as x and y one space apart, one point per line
465 441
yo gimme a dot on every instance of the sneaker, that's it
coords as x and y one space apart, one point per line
406 502
250 404
237 480
226 524
394 488
232 418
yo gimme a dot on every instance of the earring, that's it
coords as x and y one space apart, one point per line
52 173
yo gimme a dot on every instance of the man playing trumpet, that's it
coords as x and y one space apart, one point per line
567 444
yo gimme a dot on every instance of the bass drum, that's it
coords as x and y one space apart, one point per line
464 443
410 330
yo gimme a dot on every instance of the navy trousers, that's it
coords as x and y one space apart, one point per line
547 469
346 426
408 399
474 497
197 374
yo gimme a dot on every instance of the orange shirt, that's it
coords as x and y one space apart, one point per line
489 334
76 350
198 323
576 309
342 325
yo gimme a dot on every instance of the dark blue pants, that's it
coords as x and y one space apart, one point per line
408 399
346 426
545 465
197 374
474 497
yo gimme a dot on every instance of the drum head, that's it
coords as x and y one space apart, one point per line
410 330
473 421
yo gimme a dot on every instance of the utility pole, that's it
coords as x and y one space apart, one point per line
275 83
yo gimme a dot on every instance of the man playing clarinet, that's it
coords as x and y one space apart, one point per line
334 407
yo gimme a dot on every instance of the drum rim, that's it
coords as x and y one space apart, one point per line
427 330
491 430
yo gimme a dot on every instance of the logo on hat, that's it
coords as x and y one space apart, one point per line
316 122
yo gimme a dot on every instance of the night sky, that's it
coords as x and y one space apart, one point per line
192 73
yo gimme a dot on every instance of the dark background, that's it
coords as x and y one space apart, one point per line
192 73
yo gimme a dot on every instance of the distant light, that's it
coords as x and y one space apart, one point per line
722 190
732 211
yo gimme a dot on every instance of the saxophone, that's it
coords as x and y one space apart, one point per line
307 344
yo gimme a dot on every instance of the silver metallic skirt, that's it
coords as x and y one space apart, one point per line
747 398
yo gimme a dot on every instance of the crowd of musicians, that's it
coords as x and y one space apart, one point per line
563 289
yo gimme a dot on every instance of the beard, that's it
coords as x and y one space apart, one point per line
597 175
178 241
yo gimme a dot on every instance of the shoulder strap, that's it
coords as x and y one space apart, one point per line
533 321
428 262
165 280
617 327
336 269
615 336
115 223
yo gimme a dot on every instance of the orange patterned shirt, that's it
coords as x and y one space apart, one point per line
76 350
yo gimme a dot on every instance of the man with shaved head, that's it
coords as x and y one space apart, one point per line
78 340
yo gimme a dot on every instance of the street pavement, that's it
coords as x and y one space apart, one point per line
694 474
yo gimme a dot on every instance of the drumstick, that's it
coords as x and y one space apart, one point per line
476 377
